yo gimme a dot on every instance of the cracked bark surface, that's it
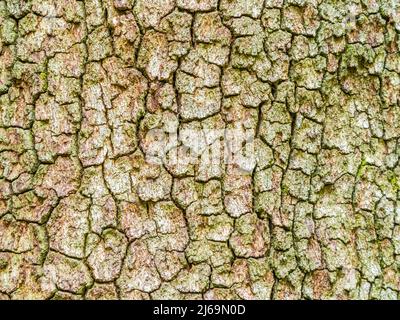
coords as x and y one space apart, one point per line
85 215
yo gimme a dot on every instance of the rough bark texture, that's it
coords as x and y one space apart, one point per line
313 212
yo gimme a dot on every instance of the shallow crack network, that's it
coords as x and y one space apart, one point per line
314 85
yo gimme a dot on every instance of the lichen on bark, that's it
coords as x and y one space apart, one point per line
92 206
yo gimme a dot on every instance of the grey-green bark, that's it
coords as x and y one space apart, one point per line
300 99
